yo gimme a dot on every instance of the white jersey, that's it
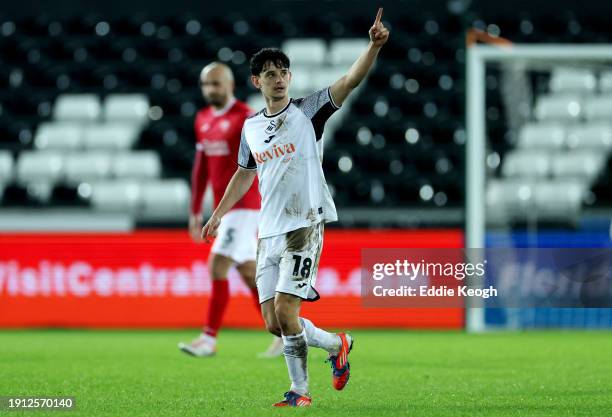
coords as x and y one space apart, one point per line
287 150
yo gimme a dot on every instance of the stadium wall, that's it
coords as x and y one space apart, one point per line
159 279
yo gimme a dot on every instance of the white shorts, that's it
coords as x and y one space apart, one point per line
237 235
288 263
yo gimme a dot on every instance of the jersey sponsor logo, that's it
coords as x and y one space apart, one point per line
275 152
215 147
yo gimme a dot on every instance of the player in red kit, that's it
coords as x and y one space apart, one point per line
217 130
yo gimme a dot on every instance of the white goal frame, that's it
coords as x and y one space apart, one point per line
475 173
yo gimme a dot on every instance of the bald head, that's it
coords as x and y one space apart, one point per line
217 82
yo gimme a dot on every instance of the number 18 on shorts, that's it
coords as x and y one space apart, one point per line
288 263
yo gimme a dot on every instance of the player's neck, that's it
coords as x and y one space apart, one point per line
225 107
274 106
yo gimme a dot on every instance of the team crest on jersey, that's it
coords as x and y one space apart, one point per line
204 127
275 125
224 125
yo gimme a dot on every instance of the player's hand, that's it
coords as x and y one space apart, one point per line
378 32
195 227
210 228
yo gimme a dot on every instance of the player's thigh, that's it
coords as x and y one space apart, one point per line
219 265
299 262
267 272
247 271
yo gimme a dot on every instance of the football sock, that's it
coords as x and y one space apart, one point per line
218 304
316 337
296 356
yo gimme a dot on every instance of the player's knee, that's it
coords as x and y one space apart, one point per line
274 328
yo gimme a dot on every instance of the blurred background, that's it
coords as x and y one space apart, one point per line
97 104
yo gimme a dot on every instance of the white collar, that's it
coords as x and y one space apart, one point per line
225 108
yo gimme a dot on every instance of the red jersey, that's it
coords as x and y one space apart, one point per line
217 143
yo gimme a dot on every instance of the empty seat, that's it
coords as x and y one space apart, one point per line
59 135
598 108
558 200
605 82
116 196
577 164
507 200
306 51
126 107
110 136
87 167
346 51
596 135
565 80
558 107
6 167
77 107
542 135
137 165
302 81
43 167
167 199
526 164
256 102
324 77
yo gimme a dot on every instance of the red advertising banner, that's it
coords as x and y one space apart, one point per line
160 279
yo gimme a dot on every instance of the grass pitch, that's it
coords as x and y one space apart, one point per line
394 373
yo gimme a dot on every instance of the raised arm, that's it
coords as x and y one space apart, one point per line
343 87
238 186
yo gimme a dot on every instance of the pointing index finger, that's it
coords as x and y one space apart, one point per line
378 16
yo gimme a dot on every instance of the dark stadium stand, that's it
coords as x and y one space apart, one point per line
402 143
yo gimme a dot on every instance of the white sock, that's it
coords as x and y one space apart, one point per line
320 338
296 356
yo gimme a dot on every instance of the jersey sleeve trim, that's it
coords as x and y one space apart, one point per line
331 99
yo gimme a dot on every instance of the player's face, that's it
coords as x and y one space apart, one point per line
273 81
216 88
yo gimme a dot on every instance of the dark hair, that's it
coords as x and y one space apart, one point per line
274 55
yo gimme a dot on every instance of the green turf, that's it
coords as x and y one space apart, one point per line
141 373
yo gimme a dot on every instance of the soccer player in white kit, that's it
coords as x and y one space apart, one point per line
283 146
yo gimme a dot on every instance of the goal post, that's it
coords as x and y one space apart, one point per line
477 58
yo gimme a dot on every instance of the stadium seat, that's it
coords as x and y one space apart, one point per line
598 108
559 107
126 108
594 135
311 52
40 167
110 136
605 82
542 136
344 52
167 199
256 101
59 136
507 200
572 80
77 108
87 167
523 163
137 165
116 196
580 164
558 200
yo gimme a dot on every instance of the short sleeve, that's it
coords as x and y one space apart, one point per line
318 107
245 157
